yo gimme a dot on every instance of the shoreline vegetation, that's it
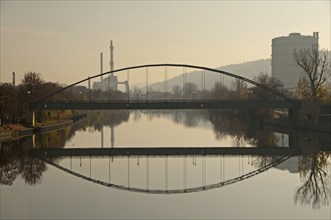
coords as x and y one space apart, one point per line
11 132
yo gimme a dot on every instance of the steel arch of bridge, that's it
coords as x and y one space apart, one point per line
286 98
174 191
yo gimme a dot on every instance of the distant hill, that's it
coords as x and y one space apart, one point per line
247 69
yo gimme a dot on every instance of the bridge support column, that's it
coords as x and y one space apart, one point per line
29 117
33 118
309 112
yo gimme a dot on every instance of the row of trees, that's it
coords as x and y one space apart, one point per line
14 101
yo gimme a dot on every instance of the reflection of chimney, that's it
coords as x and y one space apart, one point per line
101 65
102 136
111 56
112 135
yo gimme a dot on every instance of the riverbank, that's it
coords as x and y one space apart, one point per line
12 132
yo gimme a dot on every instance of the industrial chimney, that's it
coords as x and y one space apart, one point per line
101 65
13 79
111 56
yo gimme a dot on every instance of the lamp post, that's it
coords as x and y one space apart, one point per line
33 113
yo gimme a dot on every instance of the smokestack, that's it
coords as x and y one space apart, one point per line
111 57
101 65
13 79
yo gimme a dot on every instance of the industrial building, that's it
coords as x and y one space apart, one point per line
283 65
111 81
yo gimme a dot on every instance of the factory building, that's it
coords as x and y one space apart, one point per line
111 81
283 65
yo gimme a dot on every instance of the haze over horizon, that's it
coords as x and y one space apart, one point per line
62 40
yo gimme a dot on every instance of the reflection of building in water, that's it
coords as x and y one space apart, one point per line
282 64
292 165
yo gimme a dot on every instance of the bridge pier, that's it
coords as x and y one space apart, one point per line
309 111
29 117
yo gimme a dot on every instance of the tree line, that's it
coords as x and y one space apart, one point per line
14 100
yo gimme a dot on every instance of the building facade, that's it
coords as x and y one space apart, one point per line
283 65
110 82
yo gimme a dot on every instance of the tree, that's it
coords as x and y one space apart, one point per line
190 89
31 84
219 91
315 66
8 104
136 92
304 92
267 81
177 91
240 88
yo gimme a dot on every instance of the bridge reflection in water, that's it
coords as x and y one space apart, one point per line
165 164
164 151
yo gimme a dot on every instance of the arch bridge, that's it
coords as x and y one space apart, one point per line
49 102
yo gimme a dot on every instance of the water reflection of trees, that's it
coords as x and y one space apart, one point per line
32 170
238 125
189 118
314 169
98 119
315 174
241 128
15 162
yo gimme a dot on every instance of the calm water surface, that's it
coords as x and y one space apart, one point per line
165 187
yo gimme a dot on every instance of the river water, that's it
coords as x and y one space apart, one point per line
165 187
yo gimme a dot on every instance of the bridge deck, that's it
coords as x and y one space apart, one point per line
163 151
163 104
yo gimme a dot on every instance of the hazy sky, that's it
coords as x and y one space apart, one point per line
62 40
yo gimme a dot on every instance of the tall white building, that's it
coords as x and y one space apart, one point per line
283 65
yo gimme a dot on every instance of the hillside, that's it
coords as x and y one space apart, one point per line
247 69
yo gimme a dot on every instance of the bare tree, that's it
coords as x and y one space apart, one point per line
177 91
240 88
267 81
315 66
